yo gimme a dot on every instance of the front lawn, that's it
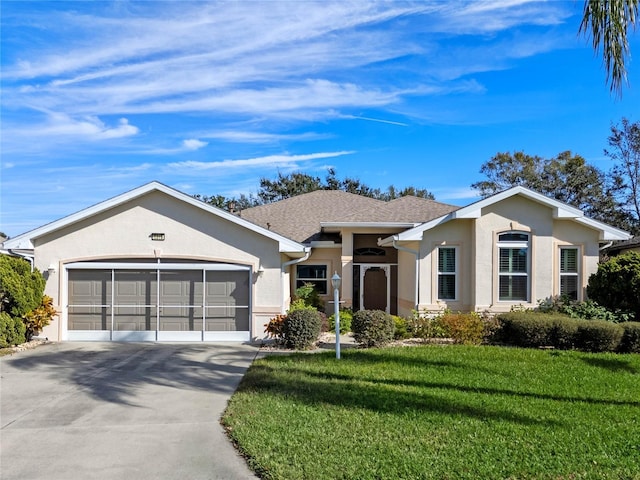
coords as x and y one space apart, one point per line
440 412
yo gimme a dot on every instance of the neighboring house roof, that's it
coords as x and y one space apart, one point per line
25 241
632 243
560 210
303 217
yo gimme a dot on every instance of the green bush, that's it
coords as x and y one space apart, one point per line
21 289
424 326
598 336
301 328
535 329
372 328
563 332
308 296
401 331
346 315
616 284
526 329
630 342
587 310
465 328
12 330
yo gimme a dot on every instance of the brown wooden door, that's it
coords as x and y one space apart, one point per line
375 289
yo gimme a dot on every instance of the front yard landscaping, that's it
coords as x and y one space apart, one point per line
441 412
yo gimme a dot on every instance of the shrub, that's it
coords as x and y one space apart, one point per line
21 289
563 332
372 328
616 284
301 328
526 329
12 330
465 328
401 330
423 326
630 342
598 336
39 318
346 315
309 296
588 310
275 328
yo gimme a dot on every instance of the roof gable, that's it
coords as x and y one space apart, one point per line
560 210
25 240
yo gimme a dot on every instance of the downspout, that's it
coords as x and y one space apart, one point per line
285 265
28 257
604 247
417 279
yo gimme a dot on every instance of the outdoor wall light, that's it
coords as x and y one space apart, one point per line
52 269
158 237
260 271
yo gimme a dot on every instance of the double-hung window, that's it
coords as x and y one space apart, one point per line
315 274
569 272
513 268
447 273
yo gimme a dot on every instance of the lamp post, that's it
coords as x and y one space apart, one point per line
335 282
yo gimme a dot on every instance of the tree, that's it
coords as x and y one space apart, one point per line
616 284
297 183
625 151
607 22
566 177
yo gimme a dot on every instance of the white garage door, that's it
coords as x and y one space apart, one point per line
158 302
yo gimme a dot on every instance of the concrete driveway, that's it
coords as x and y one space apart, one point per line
120 410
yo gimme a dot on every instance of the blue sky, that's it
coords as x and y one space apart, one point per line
101 97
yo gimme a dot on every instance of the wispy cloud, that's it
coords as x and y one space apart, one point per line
285 160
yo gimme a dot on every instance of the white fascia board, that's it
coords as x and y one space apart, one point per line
607 232
416 232
25 240
387 242
560 209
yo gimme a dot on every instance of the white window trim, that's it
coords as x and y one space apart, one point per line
528 274
577 274
455 273
311 280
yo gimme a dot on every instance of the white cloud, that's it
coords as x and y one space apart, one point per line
193 144
196 167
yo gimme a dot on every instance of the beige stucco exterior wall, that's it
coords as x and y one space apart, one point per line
322 256
190 233
476 240
457 234
407 279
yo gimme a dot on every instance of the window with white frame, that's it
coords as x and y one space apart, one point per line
569 272
447 273
513 268
316 274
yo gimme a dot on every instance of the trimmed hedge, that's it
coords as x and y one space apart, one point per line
372 328
301 328
534 330
630 342
598 336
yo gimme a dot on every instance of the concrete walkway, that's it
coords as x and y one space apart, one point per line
120 411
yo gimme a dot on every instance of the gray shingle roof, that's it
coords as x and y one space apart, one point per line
299 217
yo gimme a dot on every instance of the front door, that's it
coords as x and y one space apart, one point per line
375 281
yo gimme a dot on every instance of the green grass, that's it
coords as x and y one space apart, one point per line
440 412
